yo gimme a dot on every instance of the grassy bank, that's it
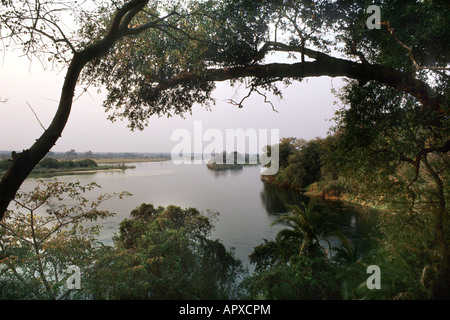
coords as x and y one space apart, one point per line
338 193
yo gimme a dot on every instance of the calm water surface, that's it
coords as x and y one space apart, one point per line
246 206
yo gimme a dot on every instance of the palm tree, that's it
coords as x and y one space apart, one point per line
309 225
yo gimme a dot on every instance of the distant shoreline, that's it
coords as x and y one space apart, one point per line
127 160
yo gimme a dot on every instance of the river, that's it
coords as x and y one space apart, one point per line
247 207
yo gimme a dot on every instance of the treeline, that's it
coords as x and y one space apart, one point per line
50 163
73 154
312 167
54 164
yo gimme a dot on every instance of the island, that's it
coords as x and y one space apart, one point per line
231 161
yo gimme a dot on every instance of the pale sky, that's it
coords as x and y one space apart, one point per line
305 112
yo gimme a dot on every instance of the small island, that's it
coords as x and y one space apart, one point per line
232 161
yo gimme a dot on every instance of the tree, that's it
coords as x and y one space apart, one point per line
301 165
396 154
36 25
42 238
165 253
160 59
309 225
295 265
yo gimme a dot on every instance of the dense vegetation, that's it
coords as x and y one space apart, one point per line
367 166
50 163
159 253
53 166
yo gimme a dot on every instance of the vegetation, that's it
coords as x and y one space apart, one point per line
389 147
52 166
165 253
234 160
159 253
43 237
296 265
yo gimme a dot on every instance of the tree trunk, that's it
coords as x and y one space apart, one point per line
441 289
24 162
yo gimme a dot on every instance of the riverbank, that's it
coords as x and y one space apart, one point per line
128 160
55 172
328 193
52 167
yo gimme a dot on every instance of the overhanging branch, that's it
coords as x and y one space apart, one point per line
324 65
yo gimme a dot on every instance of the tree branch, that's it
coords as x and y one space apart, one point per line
24 162
324 65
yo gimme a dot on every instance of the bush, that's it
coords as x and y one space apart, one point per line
49 163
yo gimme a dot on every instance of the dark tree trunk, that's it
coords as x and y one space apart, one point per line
24 162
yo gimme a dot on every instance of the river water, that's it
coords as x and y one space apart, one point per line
247 207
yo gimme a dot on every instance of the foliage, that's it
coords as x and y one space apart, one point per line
296 264
164 253
399 279
302 166
37 248
396 153
49 163
309 225
302 278
164 70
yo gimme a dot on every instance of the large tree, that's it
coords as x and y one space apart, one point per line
159 58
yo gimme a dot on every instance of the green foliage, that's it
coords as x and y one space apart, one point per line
5 164
303 166
302 278
299 161
309 225
296 265
399 279
393 153
43 237
196 36
50 163
164 253
200 36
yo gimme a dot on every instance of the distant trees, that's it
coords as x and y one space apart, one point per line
48 164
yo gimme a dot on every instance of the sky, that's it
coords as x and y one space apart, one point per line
306 111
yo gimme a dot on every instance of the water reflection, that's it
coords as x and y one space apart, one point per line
358 224
224 172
